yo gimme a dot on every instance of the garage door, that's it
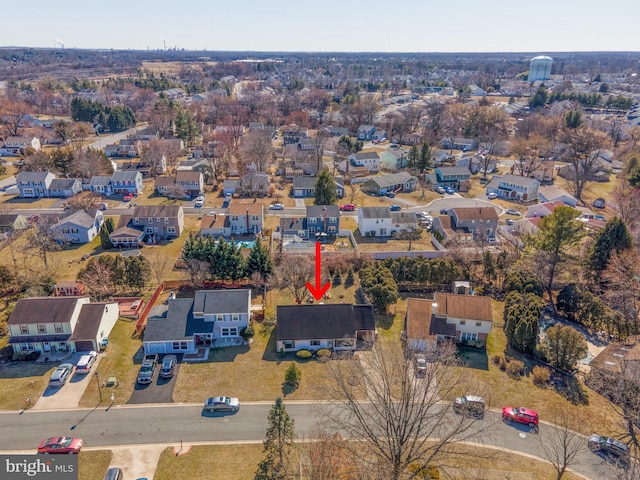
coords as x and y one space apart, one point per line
84 346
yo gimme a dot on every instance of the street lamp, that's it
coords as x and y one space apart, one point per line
99 389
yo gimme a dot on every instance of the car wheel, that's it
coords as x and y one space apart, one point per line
70 452
533 428
46 453
506 419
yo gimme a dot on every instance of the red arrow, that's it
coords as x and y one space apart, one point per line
318 291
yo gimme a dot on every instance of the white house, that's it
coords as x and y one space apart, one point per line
375 221
551 193
370 160
514 187
16 146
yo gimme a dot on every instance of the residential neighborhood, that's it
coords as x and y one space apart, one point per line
214 235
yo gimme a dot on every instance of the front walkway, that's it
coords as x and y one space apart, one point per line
299 202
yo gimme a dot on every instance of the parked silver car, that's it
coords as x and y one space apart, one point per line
60 375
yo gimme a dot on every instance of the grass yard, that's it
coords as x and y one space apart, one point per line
19 381
589 413
239 462
231 462
93 464
389 244
116 362
9 202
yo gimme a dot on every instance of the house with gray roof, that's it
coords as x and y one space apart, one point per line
213 318
305 186
370 160
16 146
127 181
393 182
79 227
10 222
330 326
455 177
514 187
365 132
153 221
101 184
34 184
336 131
64 187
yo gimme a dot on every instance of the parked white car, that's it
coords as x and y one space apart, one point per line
86 362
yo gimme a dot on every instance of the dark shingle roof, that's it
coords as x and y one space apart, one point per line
304 182
62 183
173 325
222 301
88 321
43 310
314 211
375 212
170 211
316 322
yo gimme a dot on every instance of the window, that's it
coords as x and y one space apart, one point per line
158 219
314 343
166 220
24 329
462 322
26 347
171 229
179 345
287 344
478 324
42 328
150 220
58 328
235 317
229 332
468 337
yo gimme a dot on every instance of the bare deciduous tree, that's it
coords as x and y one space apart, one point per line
585 146
293 273
398 419
257 149
561 446
159 264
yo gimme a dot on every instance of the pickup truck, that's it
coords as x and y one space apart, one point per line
145 375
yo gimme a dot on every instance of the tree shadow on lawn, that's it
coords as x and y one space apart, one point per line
384 320
24 369
474 358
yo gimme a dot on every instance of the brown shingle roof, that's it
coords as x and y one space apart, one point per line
157 211
422 324
476 213
241 208
88 321
469 307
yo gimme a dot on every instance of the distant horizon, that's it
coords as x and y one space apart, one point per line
357 26
368 52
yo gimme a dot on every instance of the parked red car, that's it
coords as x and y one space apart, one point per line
60 445
349 207
520 415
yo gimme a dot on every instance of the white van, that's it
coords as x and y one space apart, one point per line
86 362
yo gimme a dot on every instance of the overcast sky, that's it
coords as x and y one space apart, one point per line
331 25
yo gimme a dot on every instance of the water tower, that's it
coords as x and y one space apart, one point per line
540 68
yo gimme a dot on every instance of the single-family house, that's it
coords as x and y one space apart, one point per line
154 221
10 222
127 182
365 132
514 187
438 157
393 159
443 225
294 227
330 326
323 219
379 135
336 131
16 146
455 177
231 186
551 193
305 186
544 209
101 184
542 170
255 184
64 187
476 164
600 171
481 222
183 184
245 218
376 222
459 143
394 182
371 160
34 184
213 318
217 225
292 136
79 227
60 324
462 318
125 148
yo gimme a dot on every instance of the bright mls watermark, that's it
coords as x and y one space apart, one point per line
50 467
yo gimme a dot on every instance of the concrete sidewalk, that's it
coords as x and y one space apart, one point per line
138 462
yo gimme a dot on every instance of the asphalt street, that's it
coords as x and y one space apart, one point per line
117 426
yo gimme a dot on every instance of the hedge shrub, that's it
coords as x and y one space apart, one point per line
304 354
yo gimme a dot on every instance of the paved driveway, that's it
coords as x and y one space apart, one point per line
160 390
69 395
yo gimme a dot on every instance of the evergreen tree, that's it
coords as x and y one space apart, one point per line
540 98
259 261
325 189
412 157
292 375
614 237
105 231
137 272
521 313
277 444
378 284
424 161
349 281
186 127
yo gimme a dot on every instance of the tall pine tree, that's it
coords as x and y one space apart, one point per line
277 444
325 189
259 261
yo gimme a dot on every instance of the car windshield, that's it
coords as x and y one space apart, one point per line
59 442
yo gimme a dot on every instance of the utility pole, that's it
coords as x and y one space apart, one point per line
99 388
